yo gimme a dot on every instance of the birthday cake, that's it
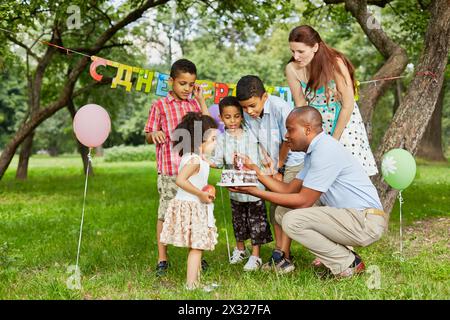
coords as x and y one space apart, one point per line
236 178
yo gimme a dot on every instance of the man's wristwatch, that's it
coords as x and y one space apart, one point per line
282 169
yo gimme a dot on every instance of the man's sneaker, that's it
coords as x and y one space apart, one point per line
279 263
253 263
355 268
161 268
238 256
318 264
204 265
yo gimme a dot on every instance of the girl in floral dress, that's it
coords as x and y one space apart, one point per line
189 220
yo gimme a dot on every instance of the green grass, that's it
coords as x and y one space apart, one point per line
40 219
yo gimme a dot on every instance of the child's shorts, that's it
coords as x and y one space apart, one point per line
250 222
167 190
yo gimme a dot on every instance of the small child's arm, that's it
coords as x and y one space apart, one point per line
153 132
155 137
182 181
217 160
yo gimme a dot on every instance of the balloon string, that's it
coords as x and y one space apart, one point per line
84 203
225 223
400 200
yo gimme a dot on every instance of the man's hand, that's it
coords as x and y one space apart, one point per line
278 176
247 190
158 136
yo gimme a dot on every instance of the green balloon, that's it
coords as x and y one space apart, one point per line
398 168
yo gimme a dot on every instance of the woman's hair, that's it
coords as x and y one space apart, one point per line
186 130
324 63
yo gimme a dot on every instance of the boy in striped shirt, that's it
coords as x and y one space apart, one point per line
165 114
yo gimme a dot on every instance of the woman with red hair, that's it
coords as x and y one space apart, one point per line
322 77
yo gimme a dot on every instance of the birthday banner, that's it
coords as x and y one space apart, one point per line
148 79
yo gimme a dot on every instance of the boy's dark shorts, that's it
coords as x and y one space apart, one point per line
250 222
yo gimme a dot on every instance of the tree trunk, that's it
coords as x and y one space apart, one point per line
24 157
398 95
395 55
67 90
430 147
410 121
83 150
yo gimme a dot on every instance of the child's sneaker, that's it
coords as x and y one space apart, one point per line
161 268
238 256
279 263
204 265
253 263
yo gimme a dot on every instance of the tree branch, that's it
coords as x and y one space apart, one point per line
379 3
103 14
395 55
21 44
112 45
66 93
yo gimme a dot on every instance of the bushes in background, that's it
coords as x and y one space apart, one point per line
130 153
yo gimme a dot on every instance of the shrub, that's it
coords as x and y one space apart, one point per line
130 153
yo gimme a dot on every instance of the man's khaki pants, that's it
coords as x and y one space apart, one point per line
278 211
326 231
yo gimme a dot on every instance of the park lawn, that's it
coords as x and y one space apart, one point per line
40 219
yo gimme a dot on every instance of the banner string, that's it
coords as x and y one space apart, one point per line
421 73
63 48
381 79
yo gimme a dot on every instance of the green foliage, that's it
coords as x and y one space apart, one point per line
130 153
238 15
56 135
13 105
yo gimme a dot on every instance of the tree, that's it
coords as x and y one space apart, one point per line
431 145
415 111
258 15
395 55
37 114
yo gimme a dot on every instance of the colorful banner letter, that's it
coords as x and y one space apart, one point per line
221 91
96 61
207 87
119 78
232 88
215 90
270 89
145 77
162 87
285 94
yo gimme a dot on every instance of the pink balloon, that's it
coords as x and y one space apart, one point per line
92 125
